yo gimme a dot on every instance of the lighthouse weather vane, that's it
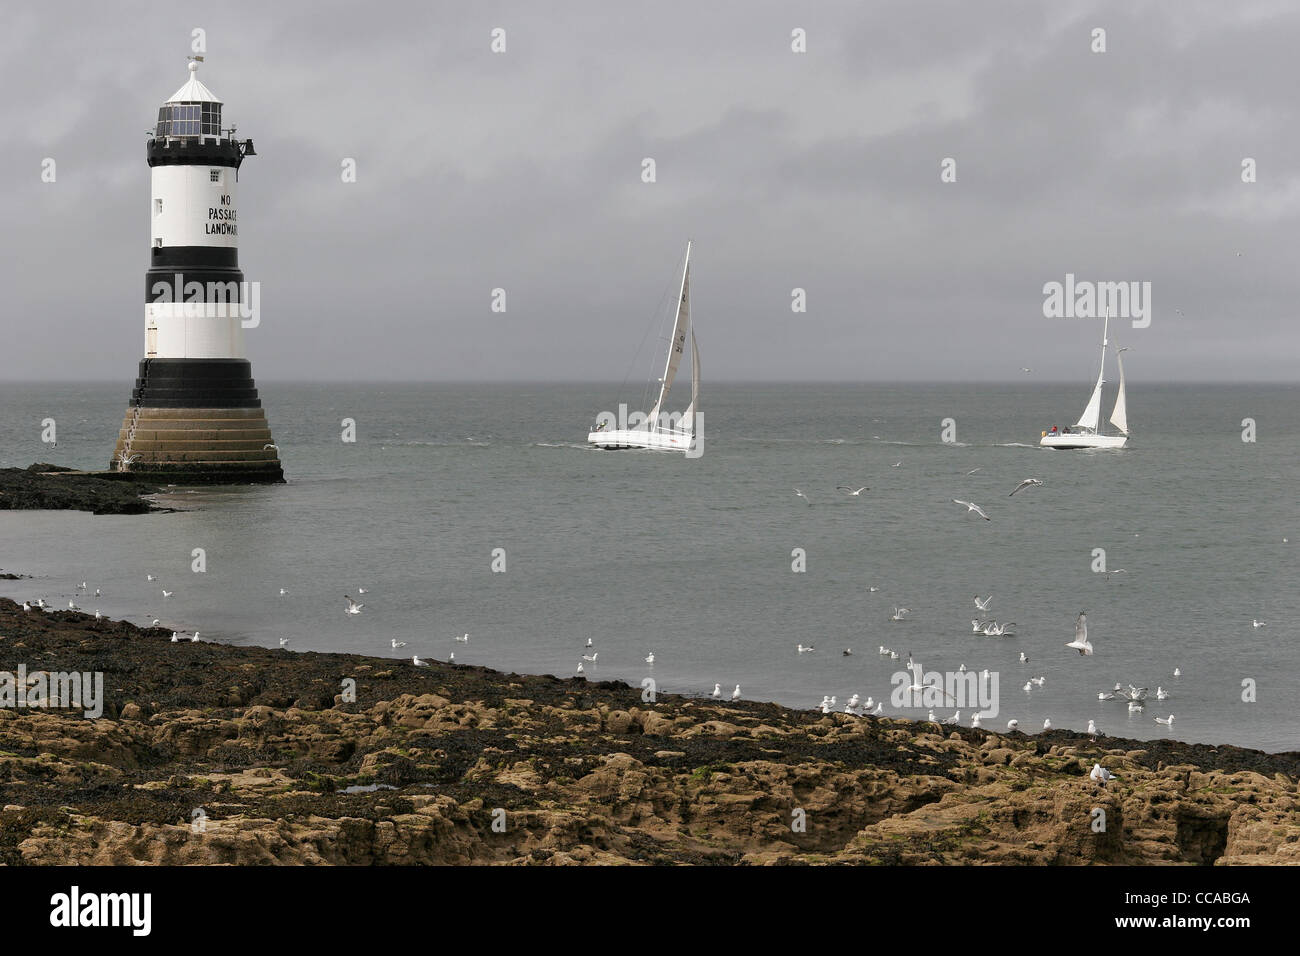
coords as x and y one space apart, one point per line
195 415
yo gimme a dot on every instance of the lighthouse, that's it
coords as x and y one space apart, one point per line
194 415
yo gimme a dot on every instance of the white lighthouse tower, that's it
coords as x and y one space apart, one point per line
194 414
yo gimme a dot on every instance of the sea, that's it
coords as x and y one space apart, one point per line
478 509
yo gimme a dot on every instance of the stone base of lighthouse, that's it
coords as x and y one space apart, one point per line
197 421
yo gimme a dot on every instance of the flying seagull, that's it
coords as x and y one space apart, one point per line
983 605
1025 484
803 496
353 607
1080 642
849 491
971 506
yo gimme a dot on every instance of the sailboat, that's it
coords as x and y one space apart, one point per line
658 431
1086 432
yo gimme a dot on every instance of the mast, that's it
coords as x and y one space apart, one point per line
678 343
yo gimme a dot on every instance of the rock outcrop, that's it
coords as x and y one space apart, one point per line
218 754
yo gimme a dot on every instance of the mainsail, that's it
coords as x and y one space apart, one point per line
1092 411
688 417
1119 417
678 343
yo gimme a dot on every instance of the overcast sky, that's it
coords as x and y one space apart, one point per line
821 170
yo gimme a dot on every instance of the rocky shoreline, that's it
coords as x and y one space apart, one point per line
46 486
217 754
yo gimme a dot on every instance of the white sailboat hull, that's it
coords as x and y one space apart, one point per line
1081 440
640 438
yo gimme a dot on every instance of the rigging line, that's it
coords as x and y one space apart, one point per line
659 314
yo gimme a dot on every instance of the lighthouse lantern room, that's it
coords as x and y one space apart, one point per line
195 415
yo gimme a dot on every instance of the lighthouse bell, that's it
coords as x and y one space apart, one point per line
195 415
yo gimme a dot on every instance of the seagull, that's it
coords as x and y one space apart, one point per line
150 577
194 638
803 496
735 694
853 701
176 638
962 669
650 658
283 592
1167 721
361 590
1028 482
589 644
880 709
884 651
975 721
850 492
26 606
983 605
73 607
168 594
1047 723
591 658
977 626
415 659
1080 642
1177 672
1162 694
847 652
462 640
918 688
1104 695
1012 724
972 471
717 692
353 607
1039 681
1134 706
396 643
897 464
1092 728
284 641
1028 686
900 613
155 623
1023 369
96 592
270 445
98 616
1255 623
1024 658
971 506
579 670
953 720
81 586
1101 774
804 650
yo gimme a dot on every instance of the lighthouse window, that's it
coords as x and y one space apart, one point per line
214 175
157 207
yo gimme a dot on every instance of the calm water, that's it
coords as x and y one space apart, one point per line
692 559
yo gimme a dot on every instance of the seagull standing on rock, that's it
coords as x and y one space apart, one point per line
735 694
1101 774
